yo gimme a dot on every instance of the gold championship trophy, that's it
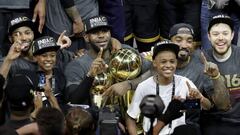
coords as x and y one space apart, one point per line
100 84
124 65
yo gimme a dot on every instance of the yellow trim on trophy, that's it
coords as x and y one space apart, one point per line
126 38
147 40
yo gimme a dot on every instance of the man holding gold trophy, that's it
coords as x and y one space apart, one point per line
89 75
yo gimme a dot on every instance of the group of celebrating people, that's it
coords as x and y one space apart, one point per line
43 84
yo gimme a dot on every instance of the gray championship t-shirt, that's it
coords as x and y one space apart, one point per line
230 70
216 122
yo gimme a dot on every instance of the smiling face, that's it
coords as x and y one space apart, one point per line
25 35
165 64
185 42
46 61
99 37
220 36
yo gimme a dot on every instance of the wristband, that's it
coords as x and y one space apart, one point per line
216 77
88 75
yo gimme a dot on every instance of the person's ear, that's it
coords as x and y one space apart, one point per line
10 39
86 38
232 35
154 63
208 35
35 58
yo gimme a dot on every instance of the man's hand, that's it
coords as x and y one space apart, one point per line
15 51
31 129
40 12
64 41
98 65
220 4
47 88
120 89
38 100
49 93
116 45
211 69
37 103
196 94
79 53
193 93
78 27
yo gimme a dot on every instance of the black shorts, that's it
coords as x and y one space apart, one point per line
141 21
179 11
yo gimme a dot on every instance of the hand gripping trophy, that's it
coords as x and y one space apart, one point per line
125 64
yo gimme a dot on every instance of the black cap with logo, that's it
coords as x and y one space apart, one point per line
96 22
44 44
221 18
165 45
19 22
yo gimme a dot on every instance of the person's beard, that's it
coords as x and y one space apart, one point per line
183 54
221 53
97 49
26 49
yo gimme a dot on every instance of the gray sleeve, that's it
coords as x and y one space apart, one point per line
74 73
146 65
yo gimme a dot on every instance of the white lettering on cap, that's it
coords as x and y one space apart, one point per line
18 20
45 42
163 42
99 21
221 16
185 30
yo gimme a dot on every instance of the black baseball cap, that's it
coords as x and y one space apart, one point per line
221 18
181 28
165 45
44 44
19 21
96 22
20 91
